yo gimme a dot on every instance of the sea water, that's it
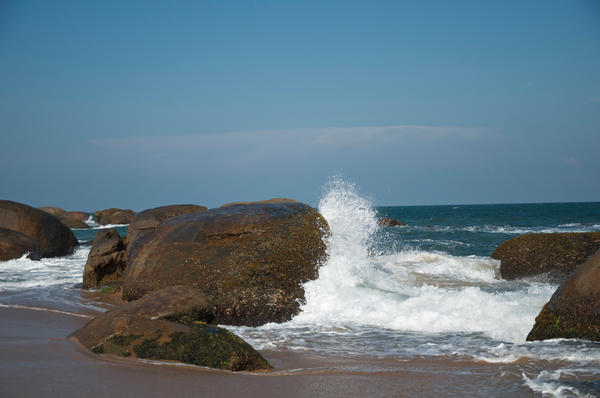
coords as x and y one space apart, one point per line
428 290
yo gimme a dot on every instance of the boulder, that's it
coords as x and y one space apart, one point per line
14 244
574 309
390 222
251 260
55 211
54 238
147 221
268 201
553 255
75 219
169 324
106 261
113 216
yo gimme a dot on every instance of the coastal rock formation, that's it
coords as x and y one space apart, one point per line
169 324
555 255
574 309
72 219
54 238
268 201
147 221
113 216
14 244
390 222
107 259
249 259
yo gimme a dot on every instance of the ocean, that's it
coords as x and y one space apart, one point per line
424 291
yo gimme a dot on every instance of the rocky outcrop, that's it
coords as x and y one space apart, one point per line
14 244
249 259
147 221
390 222
553 255
574 309
54 238
72 219
268 201
106 261
169 324
113 216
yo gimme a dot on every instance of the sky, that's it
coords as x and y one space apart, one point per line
144 103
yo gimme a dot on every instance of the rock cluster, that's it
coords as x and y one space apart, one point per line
113 216
72 219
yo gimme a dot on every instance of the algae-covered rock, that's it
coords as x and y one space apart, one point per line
250 259
554 255
147 221
14 244
54 238
169 324
574 309
107 260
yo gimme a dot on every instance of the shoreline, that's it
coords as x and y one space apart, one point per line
36 360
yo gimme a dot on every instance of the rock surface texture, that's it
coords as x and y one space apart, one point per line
147 221
113 216
169 324
72 219
54 238
574 309
107 259
251 259
553 255
14 244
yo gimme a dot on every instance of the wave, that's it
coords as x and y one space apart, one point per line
507 229
94 225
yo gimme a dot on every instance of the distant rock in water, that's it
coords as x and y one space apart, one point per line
107 259
574 309
147 221
113 216
54 238
250 259
390 222
169 324
555 255
14 244
72 219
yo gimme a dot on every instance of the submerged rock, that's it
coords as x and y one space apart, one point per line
574 309
250 259
556 255
54 238
169 324
14 244
390 222
107 259
113 216
147 221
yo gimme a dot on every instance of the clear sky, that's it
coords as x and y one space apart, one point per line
140 103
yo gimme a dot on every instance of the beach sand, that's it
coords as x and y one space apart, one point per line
37 360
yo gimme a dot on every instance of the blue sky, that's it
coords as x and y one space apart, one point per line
140 104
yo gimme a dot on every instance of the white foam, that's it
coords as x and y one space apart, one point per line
549 383
94 225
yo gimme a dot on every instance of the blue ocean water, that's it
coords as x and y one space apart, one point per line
425 290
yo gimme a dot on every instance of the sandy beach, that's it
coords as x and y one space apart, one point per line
37 360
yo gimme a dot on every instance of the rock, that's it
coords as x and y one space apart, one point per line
147 221
55 211
574 309
390 222
268 201
169 324
555 255
250 260
113 216
54 238
14 244
107 259
72 219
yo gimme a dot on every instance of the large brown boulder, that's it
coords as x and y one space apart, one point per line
169 324
72 219
553 255
113 216
14 244
251 260
268 201
106 261
54 238
147 221
574 309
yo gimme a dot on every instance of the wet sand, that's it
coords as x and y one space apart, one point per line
37 360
